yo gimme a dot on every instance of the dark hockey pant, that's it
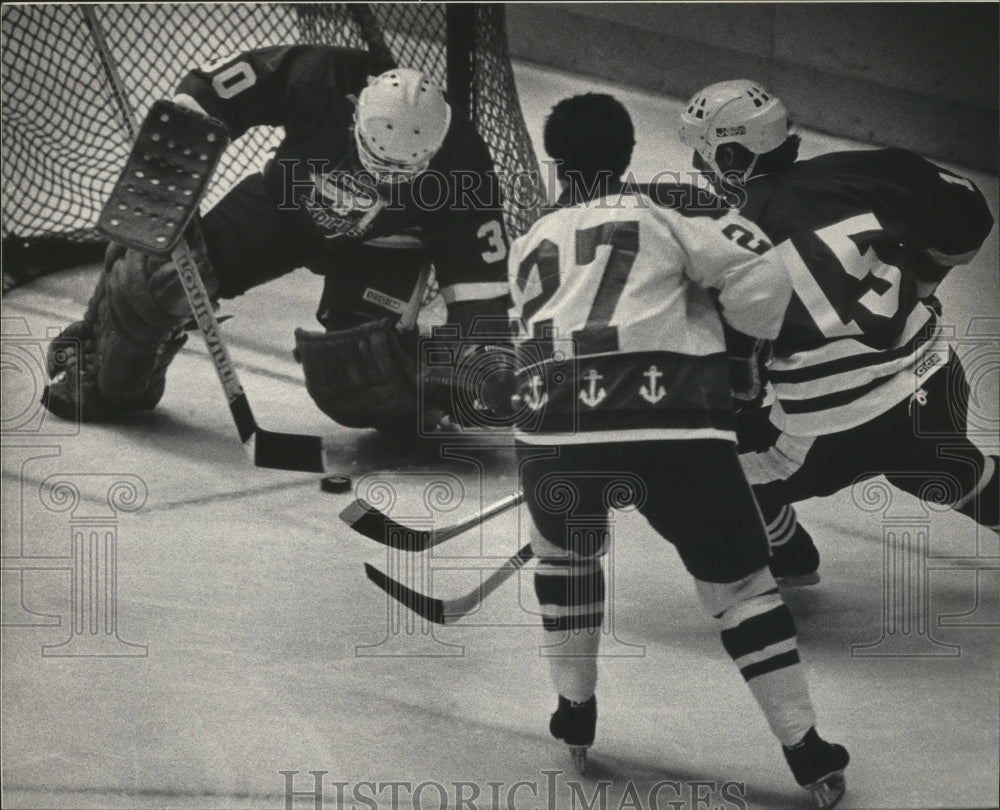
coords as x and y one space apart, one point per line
921 445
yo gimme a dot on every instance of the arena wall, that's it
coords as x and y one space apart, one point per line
918 75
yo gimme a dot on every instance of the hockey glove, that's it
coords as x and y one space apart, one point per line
363 376
748 358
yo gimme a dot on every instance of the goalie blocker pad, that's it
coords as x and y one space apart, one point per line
167 172
364 376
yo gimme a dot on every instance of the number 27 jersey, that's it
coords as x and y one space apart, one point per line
850 226
617 300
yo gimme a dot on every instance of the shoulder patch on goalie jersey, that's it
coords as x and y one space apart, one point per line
166 175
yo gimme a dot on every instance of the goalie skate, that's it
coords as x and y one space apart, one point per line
166 174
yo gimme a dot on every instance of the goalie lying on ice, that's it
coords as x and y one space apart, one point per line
377 177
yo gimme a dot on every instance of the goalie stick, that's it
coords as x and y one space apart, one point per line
449 611
162 210
378 526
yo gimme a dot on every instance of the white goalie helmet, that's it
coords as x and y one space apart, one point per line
736 111
400 122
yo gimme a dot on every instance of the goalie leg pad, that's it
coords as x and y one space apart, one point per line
364 376
115 360
141 331
145 294
75 360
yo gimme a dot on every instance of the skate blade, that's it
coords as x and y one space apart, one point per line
579 755
829 790
798 580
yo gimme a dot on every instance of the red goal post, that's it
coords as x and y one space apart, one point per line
63 131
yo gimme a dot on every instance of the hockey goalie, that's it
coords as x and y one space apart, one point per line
376 179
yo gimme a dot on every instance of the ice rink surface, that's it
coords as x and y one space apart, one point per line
249 643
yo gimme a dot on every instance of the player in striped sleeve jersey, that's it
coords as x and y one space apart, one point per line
624 365
863 377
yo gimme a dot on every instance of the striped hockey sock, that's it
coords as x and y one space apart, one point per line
759 635
571 594
758 632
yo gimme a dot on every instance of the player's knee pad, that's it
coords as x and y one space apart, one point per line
97 374
756 626
570 588
136 314
723 600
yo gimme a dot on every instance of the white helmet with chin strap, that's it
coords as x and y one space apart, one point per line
736 111
400 122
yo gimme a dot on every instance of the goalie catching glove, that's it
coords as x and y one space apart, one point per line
368 376
364 376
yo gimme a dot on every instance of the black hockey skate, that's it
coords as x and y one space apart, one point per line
818 766
575 724
796 561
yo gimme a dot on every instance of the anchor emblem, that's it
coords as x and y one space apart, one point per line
591 396
654 393
535 399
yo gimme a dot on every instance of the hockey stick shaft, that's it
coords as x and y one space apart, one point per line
408 318
456 608
283 451
378 526
449 611
490 511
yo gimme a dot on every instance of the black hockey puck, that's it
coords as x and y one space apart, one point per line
335 483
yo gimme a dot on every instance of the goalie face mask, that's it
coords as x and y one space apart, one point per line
400 121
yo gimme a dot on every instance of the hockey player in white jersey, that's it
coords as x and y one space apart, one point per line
617 294
864 380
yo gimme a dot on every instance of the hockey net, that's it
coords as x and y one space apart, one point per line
63 126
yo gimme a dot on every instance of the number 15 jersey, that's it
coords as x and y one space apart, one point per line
617 300
850 227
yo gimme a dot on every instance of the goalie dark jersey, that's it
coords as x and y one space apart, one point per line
850 227
306 89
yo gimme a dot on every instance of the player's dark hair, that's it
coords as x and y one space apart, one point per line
590 137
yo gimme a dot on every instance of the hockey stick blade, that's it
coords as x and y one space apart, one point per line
294 452
378 526
449 611
424 606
